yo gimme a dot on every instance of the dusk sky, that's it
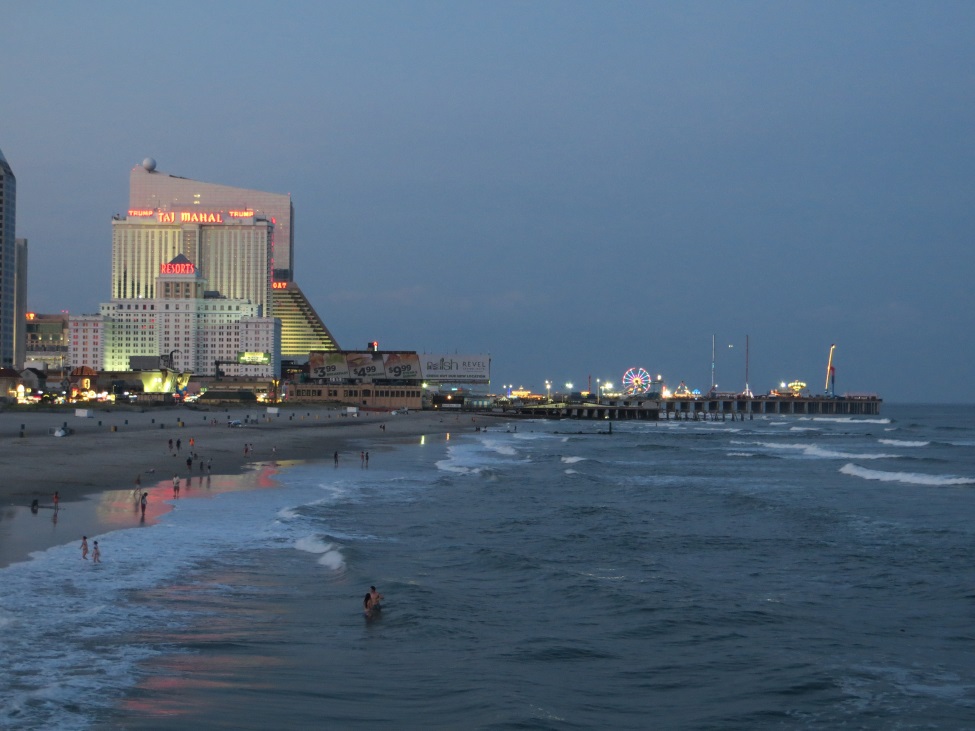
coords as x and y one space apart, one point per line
573 188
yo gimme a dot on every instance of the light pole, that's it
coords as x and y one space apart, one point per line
597 390
548 390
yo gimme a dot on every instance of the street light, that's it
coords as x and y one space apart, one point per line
597 391
548 390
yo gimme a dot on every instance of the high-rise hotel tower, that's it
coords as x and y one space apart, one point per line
13 274
242 240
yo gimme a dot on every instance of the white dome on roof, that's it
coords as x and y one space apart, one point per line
149 164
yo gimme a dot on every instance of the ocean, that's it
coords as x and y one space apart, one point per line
776 573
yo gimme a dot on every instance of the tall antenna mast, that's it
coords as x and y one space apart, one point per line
712 364
748 391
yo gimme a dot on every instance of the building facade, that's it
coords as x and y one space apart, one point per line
86 342
191 328
46 341
8 262
230 264
233 250
152 190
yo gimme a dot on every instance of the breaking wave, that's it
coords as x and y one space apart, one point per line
909 478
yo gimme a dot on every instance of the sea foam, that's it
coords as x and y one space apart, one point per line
909 478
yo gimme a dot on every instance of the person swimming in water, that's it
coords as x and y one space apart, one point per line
371 602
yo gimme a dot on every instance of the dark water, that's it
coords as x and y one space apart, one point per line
781 573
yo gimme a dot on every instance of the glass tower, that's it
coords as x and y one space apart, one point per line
8 263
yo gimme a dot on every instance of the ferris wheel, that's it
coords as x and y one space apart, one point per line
636 381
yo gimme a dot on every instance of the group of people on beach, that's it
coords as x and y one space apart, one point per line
96 553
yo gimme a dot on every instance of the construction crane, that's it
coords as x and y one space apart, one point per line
831 373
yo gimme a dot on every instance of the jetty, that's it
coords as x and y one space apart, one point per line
703 408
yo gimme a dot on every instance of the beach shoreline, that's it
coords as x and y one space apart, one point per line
95 468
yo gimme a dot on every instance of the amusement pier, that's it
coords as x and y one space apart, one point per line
732 408
646 399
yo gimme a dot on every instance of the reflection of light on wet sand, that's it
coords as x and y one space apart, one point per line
121 508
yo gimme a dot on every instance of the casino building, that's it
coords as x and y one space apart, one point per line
194 329
242 241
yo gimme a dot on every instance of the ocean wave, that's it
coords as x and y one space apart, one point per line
851 420
902 443
814 451
572 460
447 465
910 478
312 544
495 446
330 555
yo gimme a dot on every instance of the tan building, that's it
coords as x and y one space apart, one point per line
207 224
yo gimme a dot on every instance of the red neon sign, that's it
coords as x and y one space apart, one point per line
188 216
194 217
279 285
179 268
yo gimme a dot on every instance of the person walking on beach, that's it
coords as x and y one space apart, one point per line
336 458
179 444
367 459
144 501
170 445
84 547
96 554
175 485
57 500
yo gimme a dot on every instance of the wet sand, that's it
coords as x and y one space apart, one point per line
94 469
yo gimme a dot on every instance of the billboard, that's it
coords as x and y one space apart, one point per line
253 358
402 365
327 365
444 368
366 365
398 366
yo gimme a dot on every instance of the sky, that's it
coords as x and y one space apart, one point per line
574 188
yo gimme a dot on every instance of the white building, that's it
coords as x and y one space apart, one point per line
86 341
190 328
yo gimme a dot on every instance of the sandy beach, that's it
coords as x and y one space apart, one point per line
96 467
